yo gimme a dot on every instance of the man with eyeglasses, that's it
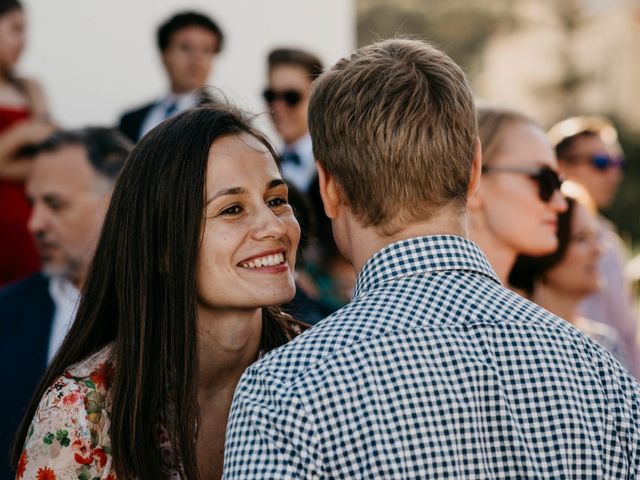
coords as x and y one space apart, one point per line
589 153
189 43
290 74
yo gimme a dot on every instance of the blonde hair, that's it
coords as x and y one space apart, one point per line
562 134
493 123
395 125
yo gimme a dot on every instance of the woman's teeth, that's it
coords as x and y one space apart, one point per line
268 261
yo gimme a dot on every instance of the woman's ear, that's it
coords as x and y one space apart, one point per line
329 192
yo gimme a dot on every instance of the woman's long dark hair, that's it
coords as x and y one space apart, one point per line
140 295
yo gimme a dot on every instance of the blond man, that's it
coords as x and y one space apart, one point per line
434 370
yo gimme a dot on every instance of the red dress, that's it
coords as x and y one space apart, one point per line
18 256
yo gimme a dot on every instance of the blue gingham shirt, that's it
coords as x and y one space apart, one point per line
434 370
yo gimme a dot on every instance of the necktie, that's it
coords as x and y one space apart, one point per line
171 109
290 157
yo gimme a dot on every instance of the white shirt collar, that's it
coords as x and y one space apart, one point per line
65 298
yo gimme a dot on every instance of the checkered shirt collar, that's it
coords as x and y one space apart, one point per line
421 255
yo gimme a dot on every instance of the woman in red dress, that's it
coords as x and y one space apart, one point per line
23 120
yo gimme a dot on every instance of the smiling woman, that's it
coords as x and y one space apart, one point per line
197 250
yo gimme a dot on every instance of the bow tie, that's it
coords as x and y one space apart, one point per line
290 157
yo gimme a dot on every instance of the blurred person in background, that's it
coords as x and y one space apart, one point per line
23 120
198 249
310 302
291 72
69 187
189 43
290 75
561 280
515 209
589 153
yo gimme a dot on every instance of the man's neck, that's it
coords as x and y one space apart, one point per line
364 242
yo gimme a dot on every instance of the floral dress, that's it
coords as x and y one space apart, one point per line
69 435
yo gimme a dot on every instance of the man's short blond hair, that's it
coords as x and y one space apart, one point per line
395 125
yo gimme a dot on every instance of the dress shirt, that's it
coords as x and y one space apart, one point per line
435 370
65 297
301 173
173 103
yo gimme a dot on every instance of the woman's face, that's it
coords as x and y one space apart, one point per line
512 209
248 249
577 272
12 38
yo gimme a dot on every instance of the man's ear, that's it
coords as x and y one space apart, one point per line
473 195
476 169
329 192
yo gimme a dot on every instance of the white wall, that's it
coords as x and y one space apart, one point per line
96 58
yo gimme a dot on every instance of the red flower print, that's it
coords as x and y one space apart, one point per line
45 473
111 476
100 456
82 455
70 399
22 465
102 376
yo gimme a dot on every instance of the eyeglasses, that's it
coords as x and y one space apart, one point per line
290 97
602 161
548 179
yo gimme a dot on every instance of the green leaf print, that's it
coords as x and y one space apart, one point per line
48 438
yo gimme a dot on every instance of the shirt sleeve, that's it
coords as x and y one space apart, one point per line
270 433
65 439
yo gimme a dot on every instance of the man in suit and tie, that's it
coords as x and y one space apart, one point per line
291 73
189 43
69 187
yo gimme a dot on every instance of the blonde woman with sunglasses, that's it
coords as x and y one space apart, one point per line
515 209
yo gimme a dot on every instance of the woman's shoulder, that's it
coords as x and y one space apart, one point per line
100 362
69 432
34 92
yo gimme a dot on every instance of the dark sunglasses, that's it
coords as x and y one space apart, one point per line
604 162
547 178
290 97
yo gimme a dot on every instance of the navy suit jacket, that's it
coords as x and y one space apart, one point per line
131 122
26 315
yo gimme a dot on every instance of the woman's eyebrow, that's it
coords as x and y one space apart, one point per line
276 182
239 190
226 191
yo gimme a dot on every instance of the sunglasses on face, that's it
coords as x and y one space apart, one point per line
290 97
603 162
547 178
